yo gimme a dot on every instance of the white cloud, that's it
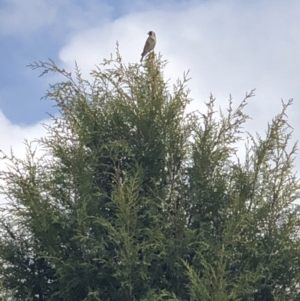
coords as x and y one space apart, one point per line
13 137
229 47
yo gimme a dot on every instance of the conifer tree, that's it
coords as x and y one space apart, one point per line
133 199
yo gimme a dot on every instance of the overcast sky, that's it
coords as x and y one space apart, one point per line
229 47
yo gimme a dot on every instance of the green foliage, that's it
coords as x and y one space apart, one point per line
133 199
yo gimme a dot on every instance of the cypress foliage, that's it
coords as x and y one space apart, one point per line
135 200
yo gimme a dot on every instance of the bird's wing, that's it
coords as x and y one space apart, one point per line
149 45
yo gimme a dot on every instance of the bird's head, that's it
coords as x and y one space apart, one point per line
151 33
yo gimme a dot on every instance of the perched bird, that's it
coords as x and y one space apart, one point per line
150 43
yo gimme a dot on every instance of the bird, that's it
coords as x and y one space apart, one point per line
150 43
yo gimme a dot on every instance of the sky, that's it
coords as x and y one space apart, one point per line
229 46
